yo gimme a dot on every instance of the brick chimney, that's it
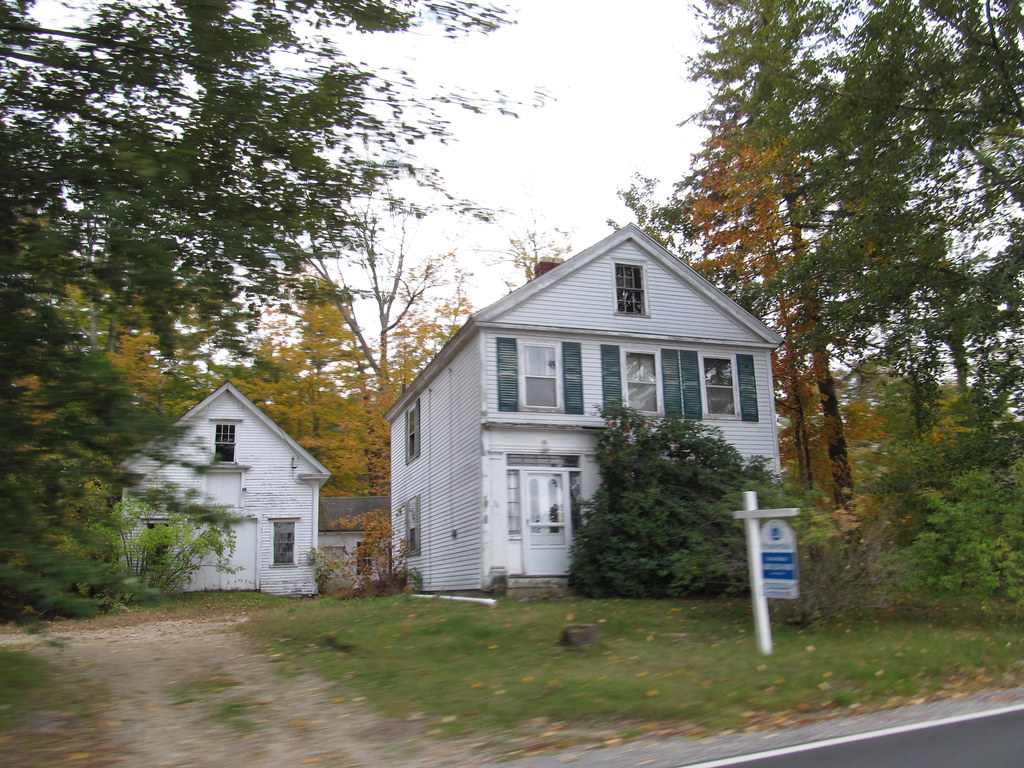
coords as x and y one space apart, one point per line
545 264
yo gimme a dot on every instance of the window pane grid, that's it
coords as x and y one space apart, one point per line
514 504
224 442
718 386
284 543
629 293
542 460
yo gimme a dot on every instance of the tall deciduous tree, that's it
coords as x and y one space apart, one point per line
898 127
904 119
160 161
174 150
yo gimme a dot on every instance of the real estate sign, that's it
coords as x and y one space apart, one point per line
778 560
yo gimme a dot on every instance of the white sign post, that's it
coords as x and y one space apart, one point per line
752 515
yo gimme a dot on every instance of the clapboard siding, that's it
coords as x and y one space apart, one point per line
446 477
278 480
585 299
750 438
461 474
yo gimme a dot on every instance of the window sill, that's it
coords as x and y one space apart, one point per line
284 565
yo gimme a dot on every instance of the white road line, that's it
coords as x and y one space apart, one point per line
782 751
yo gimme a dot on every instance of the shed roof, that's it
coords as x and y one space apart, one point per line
336 512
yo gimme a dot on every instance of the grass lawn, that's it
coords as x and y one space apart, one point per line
688 665
23 681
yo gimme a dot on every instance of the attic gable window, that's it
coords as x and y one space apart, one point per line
629 289
224 442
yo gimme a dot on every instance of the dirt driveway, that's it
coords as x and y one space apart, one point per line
197 693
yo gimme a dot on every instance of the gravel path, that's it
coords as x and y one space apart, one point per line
197 693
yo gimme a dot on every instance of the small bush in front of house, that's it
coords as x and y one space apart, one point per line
163 545
661 523
379 566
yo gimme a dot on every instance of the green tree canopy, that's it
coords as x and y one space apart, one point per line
160 166
174 153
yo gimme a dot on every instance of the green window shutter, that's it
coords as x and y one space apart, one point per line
572 376
689 375
611 374
670 382
748 387
508 375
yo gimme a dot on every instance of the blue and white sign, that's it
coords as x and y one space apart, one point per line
778 560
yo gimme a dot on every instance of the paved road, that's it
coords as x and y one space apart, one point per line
990 740
982 740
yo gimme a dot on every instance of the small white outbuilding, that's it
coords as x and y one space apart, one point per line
235 456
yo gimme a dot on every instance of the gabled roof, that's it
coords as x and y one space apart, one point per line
650 247
653 250
229 389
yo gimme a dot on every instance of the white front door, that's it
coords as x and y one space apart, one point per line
548 531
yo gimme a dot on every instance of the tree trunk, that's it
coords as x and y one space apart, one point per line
838 456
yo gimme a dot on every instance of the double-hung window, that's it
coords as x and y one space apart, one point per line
413 532
284 542
224 442
641 381
540 376
413 433
719 386
629 289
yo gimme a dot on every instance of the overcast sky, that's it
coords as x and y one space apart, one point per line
615 74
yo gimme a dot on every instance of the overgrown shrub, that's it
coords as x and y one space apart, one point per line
661 523
972 538
164 547
845 563
379 566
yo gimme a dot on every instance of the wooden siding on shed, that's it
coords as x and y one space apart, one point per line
270 487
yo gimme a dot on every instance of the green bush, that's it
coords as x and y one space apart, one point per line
162 547
972 539
661 523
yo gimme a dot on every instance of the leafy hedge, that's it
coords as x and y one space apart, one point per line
661 523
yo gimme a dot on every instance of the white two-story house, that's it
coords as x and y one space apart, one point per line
493 444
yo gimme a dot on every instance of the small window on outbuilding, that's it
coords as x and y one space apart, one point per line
224 442
284 542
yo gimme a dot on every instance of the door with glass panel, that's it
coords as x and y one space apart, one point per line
547 525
